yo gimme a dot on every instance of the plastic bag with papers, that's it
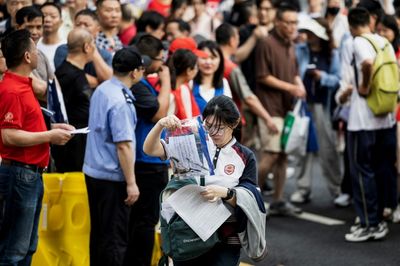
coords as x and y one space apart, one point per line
187 149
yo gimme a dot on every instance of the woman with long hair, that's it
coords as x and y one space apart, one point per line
183 68
209 81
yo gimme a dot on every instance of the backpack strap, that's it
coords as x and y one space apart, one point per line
372 42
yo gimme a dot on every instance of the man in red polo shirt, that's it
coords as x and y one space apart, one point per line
24 148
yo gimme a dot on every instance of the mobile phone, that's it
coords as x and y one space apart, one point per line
311 66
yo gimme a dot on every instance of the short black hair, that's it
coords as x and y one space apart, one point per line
14 46
218 79
373 8
241 12
100 2
28 12
182 25
87 12
286 6
153 19
54 5
358 17
179 62
224 111
149 45
224 33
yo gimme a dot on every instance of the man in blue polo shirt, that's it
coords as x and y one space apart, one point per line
110 157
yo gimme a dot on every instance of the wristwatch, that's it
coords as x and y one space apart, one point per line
230 194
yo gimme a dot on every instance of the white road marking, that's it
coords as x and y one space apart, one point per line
319 219
315 218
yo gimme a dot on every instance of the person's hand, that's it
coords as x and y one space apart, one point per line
63 126
298 91
59 136
260 32
170 122
164 75
133 194
213 192
273 129
315 73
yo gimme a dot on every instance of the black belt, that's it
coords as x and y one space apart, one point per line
31 167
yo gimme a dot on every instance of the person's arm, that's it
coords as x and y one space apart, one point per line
366 69
39 87
278 84
22 138
331 79
103 70
126 160
152 145
241 87
163 96
256 107
248 46
344 95
92 80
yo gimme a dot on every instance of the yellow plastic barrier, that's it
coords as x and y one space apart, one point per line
64 226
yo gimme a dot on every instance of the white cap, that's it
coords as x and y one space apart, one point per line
313 26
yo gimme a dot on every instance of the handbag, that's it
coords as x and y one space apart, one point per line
295 131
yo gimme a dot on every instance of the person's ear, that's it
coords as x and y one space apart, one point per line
27 57
86 47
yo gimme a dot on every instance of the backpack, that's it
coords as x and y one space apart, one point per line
179 241
385 79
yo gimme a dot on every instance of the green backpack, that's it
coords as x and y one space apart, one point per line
178 240
385 79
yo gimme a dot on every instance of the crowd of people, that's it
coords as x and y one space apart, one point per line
128 69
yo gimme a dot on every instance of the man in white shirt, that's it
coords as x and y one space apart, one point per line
51 39
371 139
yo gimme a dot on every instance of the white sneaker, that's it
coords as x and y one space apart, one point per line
363 234
360 235
396 215
343 200
299 197
356 225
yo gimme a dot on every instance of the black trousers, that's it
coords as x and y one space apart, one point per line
151 180
109 219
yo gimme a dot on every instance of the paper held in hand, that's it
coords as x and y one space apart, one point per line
84 130
202 216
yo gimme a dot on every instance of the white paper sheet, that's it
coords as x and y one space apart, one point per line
202 216
84 130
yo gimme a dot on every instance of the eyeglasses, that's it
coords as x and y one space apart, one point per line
214 131
289 23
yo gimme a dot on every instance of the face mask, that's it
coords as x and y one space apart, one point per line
333 10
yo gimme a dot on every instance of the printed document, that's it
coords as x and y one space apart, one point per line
202 216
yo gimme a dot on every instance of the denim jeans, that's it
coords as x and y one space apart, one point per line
21 193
